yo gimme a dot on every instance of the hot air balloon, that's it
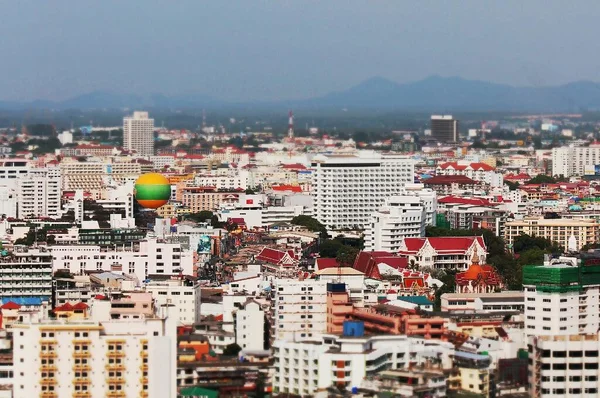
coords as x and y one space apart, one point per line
152 190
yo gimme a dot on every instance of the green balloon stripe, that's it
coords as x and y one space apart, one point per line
152 192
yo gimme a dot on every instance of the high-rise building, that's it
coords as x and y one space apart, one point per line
575 161
349 189
444 128
561 299
138 133
96 358
39 193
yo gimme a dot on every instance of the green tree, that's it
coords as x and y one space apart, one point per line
346 255
513 186
330 248
542 179
201 216
312 224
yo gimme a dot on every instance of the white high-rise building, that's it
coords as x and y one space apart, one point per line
561 299
348 189
39 193
141 259
183 296
314 364
401 216
300 309
250 326
26 272
575 161
91 358
138 133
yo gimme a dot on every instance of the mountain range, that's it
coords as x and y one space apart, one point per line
433 94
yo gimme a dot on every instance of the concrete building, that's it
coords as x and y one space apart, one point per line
561 231
300 309
575 161
443 252
138 134
483 302
26 272
564 366
561 299
250 326
444 128
344 362
39 193
348 190
183 295
149 257
401 216
96 358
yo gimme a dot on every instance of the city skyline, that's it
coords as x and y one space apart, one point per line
240 51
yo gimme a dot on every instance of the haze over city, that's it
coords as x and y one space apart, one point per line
261 50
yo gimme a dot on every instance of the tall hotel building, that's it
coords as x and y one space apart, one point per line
348 189
138 133
444 128
91 358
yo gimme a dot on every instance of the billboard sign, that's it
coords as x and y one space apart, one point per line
204 245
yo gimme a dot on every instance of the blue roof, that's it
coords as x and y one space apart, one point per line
418 300
25 300
468 355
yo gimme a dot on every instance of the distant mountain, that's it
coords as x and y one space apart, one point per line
433 94
442 94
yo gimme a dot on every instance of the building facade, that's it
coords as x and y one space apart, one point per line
444 128
348 190
138 133
565 232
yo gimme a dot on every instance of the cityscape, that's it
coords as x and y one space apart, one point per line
256 225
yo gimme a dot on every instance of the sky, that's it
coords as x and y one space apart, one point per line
265 50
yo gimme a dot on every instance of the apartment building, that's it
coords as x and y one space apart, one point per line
300 309
229 180
565 232
401 216
94 177
198 199
483 302
26 272
184 295
95 358
561 298
481 172
39 193
140 259
573 161
564 366
314 364
250 326
11 170
138 133
349 189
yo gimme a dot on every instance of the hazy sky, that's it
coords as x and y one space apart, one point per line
254 49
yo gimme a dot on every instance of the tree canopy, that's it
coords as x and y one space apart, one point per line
311 223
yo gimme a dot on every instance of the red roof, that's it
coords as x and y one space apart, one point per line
473 166
447 180
477 274
324 262
293 188
294 166
367 262
443 245
413 282
273 256
465 201
11 305
80 306
64 307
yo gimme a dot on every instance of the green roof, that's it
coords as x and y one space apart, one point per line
198 392
418 300
561 279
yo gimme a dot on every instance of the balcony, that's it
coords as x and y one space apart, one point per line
115 354
48 368
81 354
116 394
49 394
115 380
47 354
82 368
82 394
115 366
48 381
